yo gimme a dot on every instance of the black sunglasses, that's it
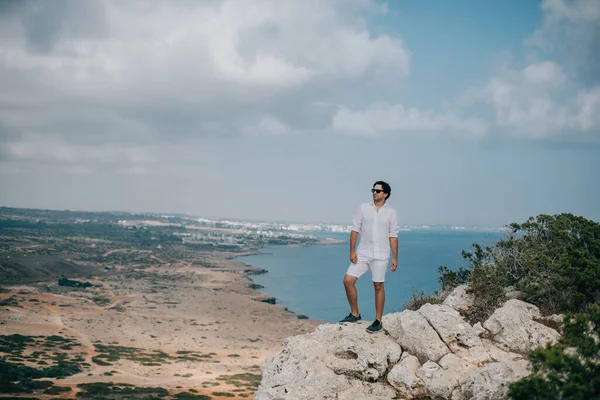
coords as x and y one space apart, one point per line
376 191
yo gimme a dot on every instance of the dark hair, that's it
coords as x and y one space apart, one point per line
386 188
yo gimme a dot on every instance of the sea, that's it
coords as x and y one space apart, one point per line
308 279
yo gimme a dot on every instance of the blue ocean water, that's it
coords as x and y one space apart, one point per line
308 280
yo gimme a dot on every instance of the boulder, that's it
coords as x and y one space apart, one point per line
513 327
414 333
455 332
499 355
442 378
491 382
459 298
514 294
480 330
340 360
403 376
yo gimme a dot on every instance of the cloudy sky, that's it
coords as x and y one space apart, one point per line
476 112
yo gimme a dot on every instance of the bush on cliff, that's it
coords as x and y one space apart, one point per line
569 369
553 260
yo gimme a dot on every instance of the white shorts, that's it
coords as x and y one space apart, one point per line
378 268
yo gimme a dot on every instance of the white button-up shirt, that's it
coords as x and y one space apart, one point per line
375 229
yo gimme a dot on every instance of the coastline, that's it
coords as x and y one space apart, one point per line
256 270
156 311
172 308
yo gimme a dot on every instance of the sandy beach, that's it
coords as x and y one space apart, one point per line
179 326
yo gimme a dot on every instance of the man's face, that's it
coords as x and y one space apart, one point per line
378 193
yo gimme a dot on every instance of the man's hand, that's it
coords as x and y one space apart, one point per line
353 257
394 265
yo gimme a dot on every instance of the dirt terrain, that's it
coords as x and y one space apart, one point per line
177 326
16 267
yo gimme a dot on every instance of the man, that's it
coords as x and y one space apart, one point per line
377 224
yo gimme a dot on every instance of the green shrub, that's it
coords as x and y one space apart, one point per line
69 282
419 298
191 396
101 390
450 279
101 301
54 390
62 370
563 374
11 302
17 378
99 361
538 257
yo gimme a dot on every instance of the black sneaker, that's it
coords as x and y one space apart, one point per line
351 318
374 327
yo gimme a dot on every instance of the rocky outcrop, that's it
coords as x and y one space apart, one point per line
335 361
458 335
416 335
514 327
460 299
432 352
403 377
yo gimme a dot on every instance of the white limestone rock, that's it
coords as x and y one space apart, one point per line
443 358
415 334
514 294
443 378
459 299
513 327
491 382
456 333
333 360
499 355
480 330
439 382
403 377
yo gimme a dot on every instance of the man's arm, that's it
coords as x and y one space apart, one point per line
394 229
353 239
394 247
356 227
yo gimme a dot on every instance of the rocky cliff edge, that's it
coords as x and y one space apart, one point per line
431 353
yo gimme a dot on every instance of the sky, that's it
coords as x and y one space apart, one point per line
476 113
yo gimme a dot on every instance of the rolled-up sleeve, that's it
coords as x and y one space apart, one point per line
357 220
394 228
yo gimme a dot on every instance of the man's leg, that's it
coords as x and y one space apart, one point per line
379 300
355 271
378 270
351 293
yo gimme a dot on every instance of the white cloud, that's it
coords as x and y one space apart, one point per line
272 126
86 82
578 10
588 103
268 125
261 43
399 119
544 73
555 96
570 35
539 101
111 72
53 151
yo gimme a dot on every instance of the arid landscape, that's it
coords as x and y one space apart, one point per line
159 320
